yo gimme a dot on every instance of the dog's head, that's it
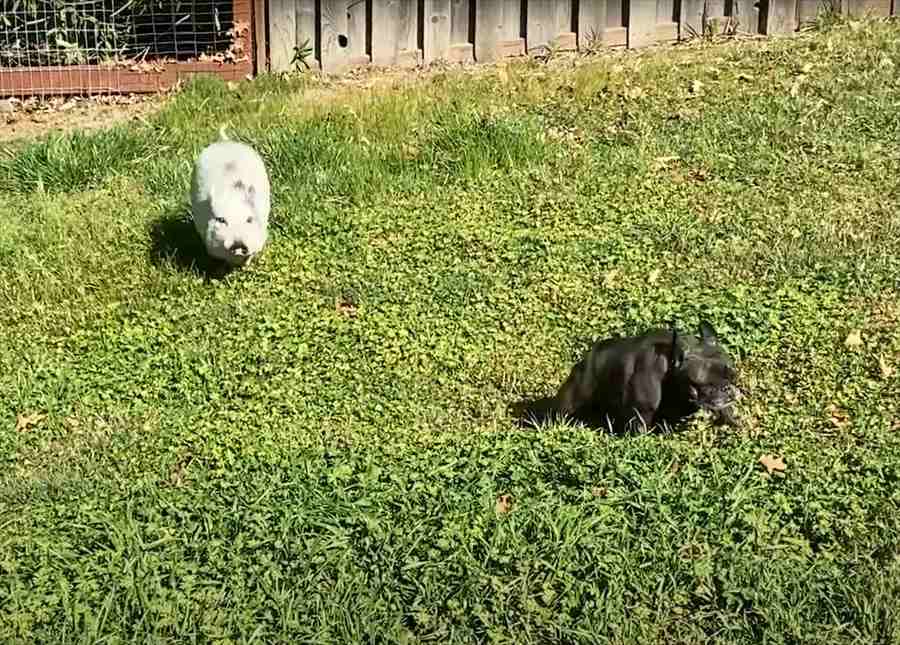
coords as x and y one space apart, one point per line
704 372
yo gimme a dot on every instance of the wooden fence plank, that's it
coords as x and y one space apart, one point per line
746 14
591 23
665 11
497 27
565 38
335 39
692 18
715 16
781 17
614 15
641 23
306 29
666 21
859 8
438 32
541 29
395 32
282 34
550 25
461 47
807 10
356 32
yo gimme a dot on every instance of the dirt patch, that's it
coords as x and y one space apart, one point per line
33 118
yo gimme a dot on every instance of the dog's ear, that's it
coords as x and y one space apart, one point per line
708 334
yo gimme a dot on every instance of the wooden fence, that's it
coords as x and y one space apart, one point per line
346 33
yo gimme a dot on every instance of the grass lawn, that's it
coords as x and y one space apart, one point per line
319 449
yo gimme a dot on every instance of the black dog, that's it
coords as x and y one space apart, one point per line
656 377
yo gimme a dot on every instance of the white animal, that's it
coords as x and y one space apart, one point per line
230 200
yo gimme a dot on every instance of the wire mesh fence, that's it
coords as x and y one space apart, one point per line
112 46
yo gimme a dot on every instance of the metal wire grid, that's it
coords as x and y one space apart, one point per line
65 46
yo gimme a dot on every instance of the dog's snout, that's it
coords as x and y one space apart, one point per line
239 248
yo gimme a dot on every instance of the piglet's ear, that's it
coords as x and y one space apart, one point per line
708 334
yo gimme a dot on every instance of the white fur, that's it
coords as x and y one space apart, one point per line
230 200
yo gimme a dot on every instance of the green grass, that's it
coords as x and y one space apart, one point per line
236 461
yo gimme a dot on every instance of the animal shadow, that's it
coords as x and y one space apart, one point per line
535 413
175 242
532 413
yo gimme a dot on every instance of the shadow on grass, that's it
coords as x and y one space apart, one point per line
175 242
533 413
537 413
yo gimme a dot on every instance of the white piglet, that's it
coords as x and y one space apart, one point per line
230 200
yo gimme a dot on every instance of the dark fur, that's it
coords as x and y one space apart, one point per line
656 377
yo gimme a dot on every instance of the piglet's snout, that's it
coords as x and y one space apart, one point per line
239 248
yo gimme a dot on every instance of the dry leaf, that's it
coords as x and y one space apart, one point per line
838 418
772 463
609 278
696 86
886 370
504 504
25 421
345 306
597 491
661 163
854 339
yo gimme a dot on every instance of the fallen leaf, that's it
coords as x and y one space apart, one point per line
609 278
854 339
597 491
838 418
886 370
660 163
504 504
25 421
772 463
345 306
696 86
